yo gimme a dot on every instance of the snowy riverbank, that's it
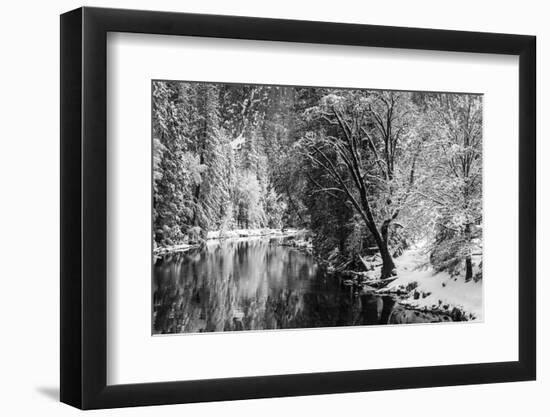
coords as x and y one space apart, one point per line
215 235
418 287
240 233
423 289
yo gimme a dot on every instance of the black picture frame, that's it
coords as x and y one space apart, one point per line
84 207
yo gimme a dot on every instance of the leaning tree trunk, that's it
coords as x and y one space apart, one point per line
388 266
380 237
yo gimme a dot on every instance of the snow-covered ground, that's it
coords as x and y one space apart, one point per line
436 290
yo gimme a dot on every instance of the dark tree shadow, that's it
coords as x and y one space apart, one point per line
51 392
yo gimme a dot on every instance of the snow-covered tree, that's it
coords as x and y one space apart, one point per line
456 186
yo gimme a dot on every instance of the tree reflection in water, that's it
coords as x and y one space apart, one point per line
254 285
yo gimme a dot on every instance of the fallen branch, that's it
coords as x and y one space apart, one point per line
380 283
365 264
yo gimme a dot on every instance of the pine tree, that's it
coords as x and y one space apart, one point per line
211 194
171 176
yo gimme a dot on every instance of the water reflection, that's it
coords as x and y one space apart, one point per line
254 285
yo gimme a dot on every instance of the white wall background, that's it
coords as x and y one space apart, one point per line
29 177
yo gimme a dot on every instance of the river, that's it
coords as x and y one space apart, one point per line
257 284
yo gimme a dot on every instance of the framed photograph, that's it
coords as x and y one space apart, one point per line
257 208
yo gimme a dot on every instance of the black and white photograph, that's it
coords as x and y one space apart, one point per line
285 207
244 208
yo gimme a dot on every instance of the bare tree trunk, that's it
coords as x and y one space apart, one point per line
469 273
388 266
380 237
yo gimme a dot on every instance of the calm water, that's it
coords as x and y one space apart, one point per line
257 284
